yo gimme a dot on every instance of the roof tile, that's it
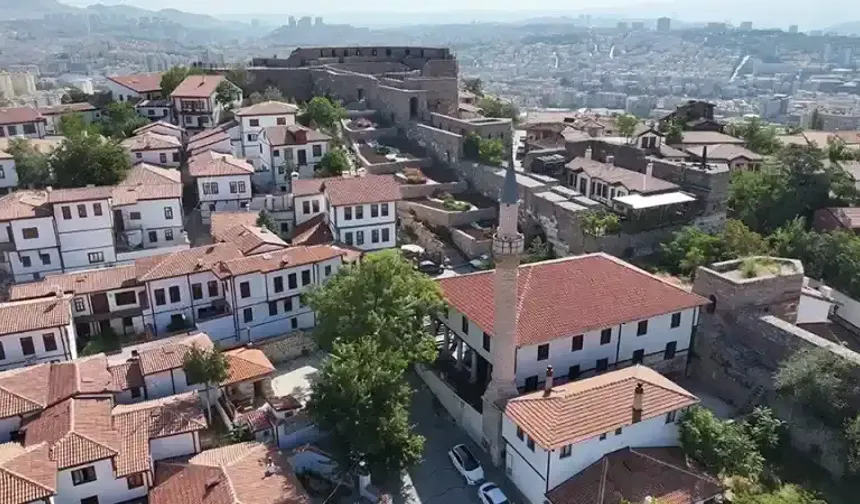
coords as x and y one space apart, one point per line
197 86
287 258
361 190
215 164
149 140
140 83
83 282
21 316
185 262
26 474
268 108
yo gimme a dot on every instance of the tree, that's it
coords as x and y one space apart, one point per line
120 119
323 113
597 224
73 124
539 250
209 367
689 249
786 494
270 94
626 125
823 383
264 219
88 159
173 77
837 150
332 164
31 165
765 430
816 122
74 95
722 447
491 151
474 86
759 138
494 107
361 400
852 440
382 297
674 133
226 94
239 76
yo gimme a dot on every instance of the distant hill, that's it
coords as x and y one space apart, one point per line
848 28
31 9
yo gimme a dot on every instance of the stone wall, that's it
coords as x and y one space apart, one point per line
470 246
287 347
443 145
444 218
499 129
443 93
415 191
358 135
292 82
395 103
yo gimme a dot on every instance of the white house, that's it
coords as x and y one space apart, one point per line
29 472
361 210
153 148
84 223
135 87
147 209
195 104
214 139
163 128
223 182
36 331
308 199
155 110
287 149
613 315
554 435
28 242
23 122
87 111
254 118
605 182
8 175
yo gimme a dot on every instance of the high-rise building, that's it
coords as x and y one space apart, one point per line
304 22
318 21
7 88
621 25
24 83
664 24
746 26
638 25
292 21
792 28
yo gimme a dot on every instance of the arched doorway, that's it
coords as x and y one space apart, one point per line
413 107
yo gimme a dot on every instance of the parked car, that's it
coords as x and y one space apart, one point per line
489 493
429 268
466 464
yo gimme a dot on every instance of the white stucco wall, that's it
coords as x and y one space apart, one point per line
15 355
172 446
108 489
154 157
9 177
299 205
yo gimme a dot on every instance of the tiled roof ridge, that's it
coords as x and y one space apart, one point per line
684 470
91 440
19 396
16 474
633 374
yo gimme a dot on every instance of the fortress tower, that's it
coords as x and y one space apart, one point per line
507 248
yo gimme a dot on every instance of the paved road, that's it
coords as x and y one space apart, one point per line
435 481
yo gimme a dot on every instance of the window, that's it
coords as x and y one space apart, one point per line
125 298
605 336
2 350
288 304
50 342
248 315
279 284
317 150
168 213
245 289
97 209
253 123
642 328
162 157
153 236
576 343
566 450
82 211
531 383
327 270
159 297
294 323
135 392
196 291
464 325
573 372
670 416
174 294
486 342
676 320
374 236
638 355
168 235
27 346
134 215
90 500
671 348
127 322
13 130
96 257
83 475
359 237
520 432
30 233
79 304
26 262
29 129
347 238
175 157
277 153
212 286
347 213
67 212
241 187
234 187
385 234
359 212
281 121
45 258
530 443
292 283
252 137
374 210
602 365
306 277
273 308
316 205
618 431
543 352
306 207
603 436
384 208
138 155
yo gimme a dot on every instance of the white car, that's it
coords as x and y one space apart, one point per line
489 493
466 464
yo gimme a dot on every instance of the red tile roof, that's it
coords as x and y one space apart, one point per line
570 296
147 174
67 107
247 364
149 140
185 262
223 221
294 134
308 187
312 232
231 474
26 474
139 83
21 316
80 194
361 190
287 258
18 115
633 474
84 282
267 108
160 127
257 420
197 86
215 164
252 239
165 354
584 409
146 182
24 205
127 375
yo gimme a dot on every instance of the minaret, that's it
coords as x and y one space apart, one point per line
507 249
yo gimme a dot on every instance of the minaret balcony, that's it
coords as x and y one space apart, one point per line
507 245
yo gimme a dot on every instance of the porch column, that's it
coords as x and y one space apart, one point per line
446 348
473 371
459 354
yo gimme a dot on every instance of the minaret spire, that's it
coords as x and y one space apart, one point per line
508 246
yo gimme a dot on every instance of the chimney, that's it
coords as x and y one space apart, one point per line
705 157
610 160
547 389
587 153
649 172
638 392
301 136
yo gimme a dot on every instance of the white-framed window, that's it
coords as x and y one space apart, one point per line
96 257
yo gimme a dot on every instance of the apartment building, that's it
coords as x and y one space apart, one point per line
84 224
285 150
36 331
195 104
22 122
253 119
617 316
223 182
135 87
8 174
153 148
29 241
147 208
561 439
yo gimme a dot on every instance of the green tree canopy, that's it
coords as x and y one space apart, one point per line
816 122
786 494
226 94
474 86
596 224
758 137
673 132
120 119
722 447
74 95
494 107
270 94
332 164
383 296
626 125
239 76
361 400
264 219
32 166
323 113
73 124
173 77
538 250
88 159
209 367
